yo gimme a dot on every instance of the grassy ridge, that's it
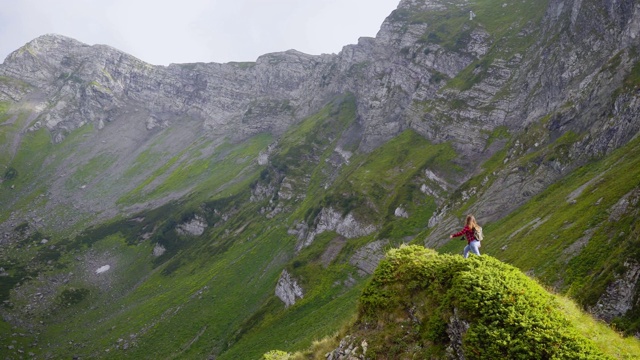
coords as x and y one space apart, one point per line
508 314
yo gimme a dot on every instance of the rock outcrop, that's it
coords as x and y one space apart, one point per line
288 289
195 227
447 307
330 219
367 258
620 295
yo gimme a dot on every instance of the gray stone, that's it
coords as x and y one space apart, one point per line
456 329
369 256
288 289
618 298
401 212
195 227
330 219
158 250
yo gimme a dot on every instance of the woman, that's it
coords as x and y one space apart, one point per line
473 244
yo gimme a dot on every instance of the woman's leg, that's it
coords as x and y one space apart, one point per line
475 247
466 251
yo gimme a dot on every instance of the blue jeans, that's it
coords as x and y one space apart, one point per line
474 247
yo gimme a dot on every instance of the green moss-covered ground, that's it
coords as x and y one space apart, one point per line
416 296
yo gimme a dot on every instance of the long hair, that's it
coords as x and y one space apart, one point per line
471 222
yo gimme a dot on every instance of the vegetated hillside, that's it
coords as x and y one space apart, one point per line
419 304
580 236
222 210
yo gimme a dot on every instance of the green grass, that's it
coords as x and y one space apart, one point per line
499 133
28 161
180 173
213 295
4 106
144 160
309 142
176 308
138 194
221 171
297 328
36 158
184 284
156 308
154 304
304 152
18 339
89 171
599 332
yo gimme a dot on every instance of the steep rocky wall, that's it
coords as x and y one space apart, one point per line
389 74
95 83
571 80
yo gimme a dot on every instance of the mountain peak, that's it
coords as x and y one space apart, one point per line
44 44
53 41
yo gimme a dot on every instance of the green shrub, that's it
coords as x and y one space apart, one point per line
21 228
10 174
416 295
276 355
72 296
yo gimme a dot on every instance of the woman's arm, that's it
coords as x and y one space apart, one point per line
459 233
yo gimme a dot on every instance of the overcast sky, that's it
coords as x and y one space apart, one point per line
180 31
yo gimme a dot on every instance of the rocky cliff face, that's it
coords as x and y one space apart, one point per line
98 83
564 82
391 76
394 76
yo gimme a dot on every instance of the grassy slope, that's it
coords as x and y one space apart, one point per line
220 265
36 159
551 248
156 304
387 177
549 226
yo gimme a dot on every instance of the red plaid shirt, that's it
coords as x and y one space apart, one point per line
467 232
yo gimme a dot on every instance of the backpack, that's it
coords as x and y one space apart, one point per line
477 233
